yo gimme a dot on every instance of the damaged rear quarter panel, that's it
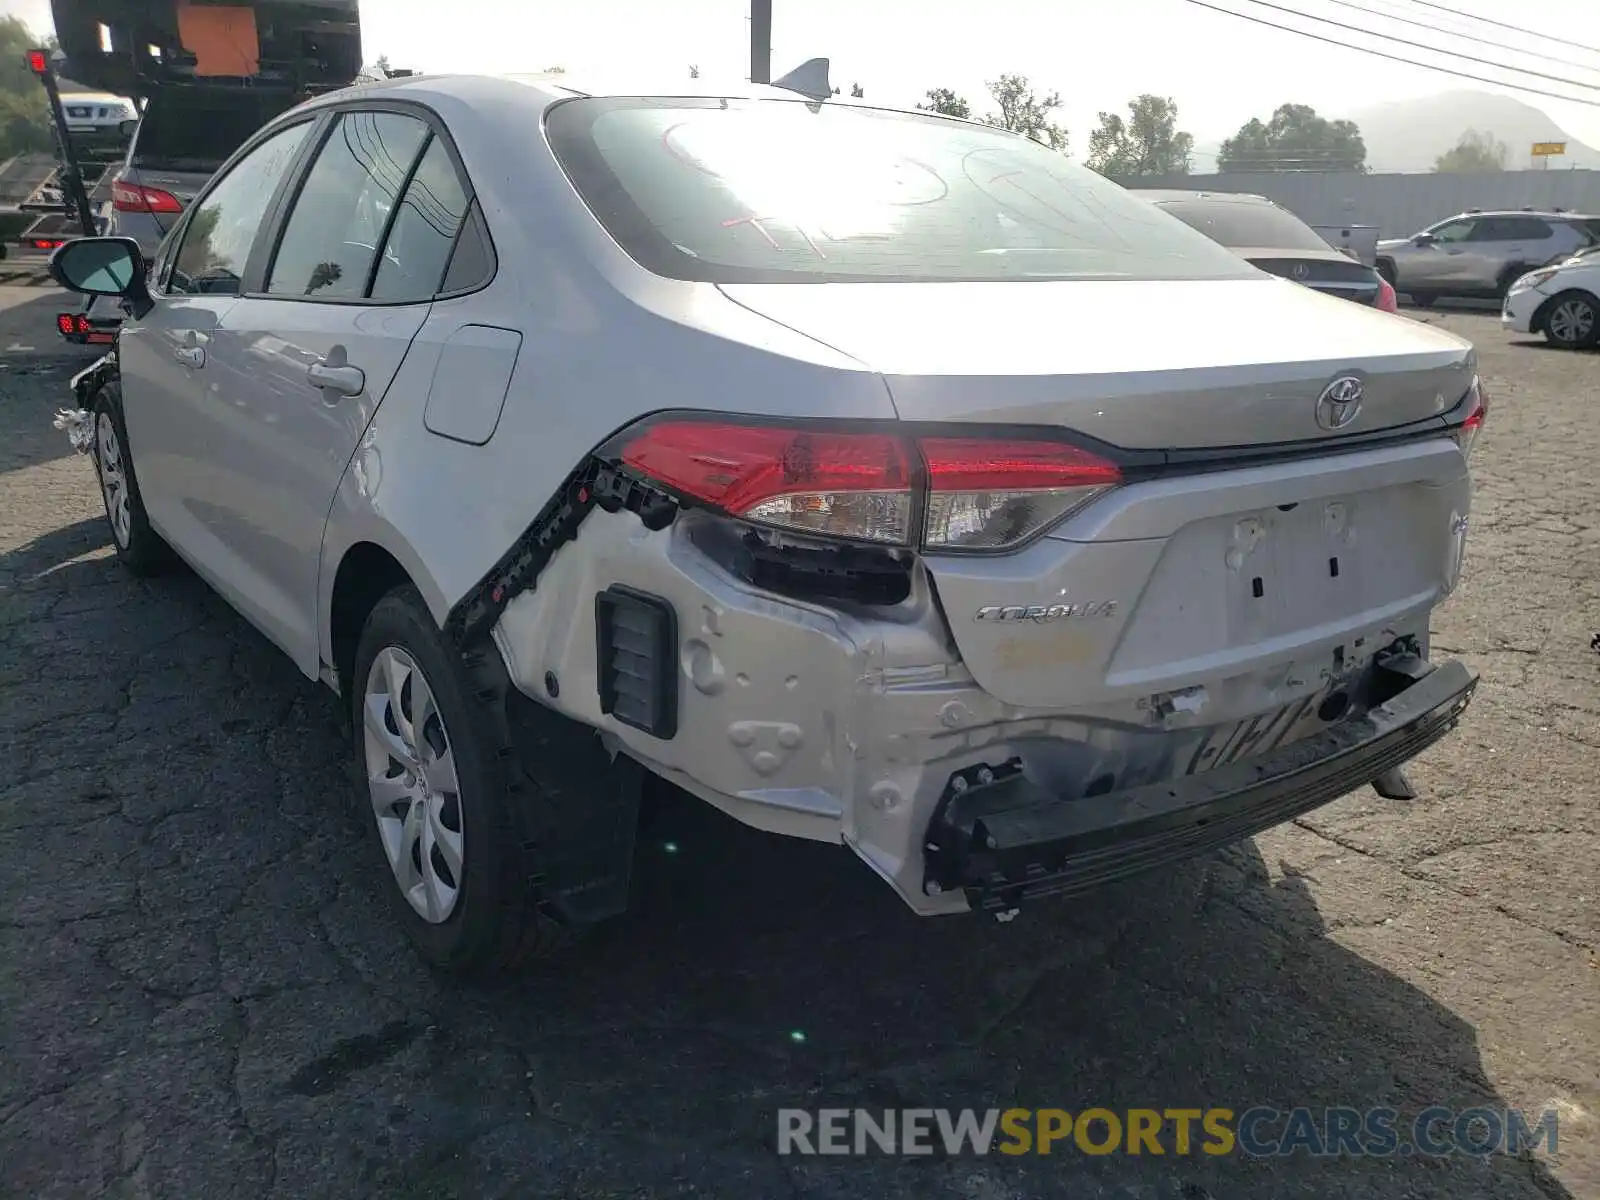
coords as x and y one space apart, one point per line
604 343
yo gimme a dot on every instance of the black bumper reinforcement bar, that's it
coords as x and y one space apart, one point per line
1002 839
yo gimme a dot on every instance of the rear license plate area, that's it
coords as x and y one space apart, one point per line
1295 566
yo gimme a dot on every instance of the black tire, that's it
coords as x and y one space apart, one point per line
1386 269
495 925
1571 333
1422 299
139 547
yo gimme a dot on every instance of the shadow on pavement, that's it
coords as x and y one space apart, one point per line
1207 986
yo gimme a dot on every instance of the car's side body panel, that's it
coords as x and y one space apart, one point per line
279 445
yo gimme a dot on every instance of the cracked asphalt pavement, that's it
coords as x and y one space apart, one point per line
202 993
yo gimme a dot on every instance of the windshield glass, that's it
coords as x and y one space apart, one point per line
196 129
1254 226
776 191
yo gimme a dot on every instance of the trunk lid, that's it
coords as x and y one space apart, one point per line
1142 365
1331 273
1258 581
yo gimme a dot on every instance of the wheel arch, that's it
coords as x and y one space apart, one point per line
358 571
1542 313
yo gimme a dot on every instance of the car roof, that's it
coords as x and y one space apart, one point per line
1552 214
1161 195
540 90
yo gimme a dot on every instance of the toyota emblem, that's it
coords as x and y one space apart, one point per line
1340 402
1300 271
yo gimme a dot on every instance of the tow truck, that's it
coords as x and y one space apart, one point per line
135 47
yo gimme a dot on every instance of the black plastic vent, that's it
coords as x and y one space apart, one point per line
636 638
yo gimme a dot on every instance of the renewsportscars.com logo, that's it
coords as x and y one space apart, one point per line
1258 1132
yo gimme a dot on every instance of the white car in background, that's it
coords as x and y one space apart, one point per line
98 118
1560 301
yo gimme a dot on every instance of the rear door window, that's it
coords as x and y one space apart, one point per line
1510 229
423 231
330 242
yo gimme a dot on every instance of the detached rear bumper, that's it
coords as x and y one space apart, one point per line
1002 839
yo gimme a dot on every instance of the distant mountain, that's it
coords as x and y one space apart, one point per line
1407 135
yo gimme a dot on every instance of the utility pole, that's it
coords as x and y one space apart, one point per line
760 41
73 191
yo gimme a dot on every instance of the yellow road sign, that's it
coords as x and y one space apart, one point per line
1545 149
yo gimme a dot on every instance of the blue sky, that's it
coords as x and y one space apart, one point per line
1098 55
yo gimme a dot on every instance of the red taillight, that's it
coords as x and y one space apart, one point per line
854 485
1387 302
130 197
1477 402
47 243
65 325
978 493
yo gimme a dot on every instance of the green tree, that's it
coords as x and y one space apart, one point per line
1147 143
24 112
382 64
1475 152
1024 112
24 125
1295 139
943 100
694 71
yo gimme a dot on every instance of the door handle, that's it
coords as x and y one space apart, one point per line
343 379
190 356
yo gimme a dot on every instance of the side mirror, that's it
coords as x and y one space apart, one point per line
1424 239
128 128
101 266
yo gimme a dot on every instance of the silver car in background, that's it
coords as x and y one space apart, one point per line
1479 255
817 459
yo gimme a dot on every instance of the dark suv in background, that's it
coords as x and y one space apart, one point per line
187 132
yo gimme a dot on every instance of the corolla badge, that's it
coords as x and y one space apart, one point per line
1301 272
1340 402
1041 613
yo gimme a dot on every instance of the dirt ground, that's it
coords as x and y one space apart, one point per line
202 994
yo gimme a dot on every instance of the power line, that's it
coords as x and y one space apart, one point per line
1409 62
1455 12
1390 37
1466 37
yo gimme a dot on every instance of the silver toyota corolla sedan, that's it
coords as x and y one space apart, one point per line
815 458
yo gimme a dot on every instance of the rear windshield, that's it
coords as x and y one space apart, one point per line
771 191
1256 226
193 129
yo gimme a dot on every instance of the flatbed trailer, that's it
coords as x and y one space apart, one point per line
72 200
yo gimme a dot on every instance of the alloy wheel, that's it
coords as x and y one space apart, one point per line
1571 321
113 479
411 777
